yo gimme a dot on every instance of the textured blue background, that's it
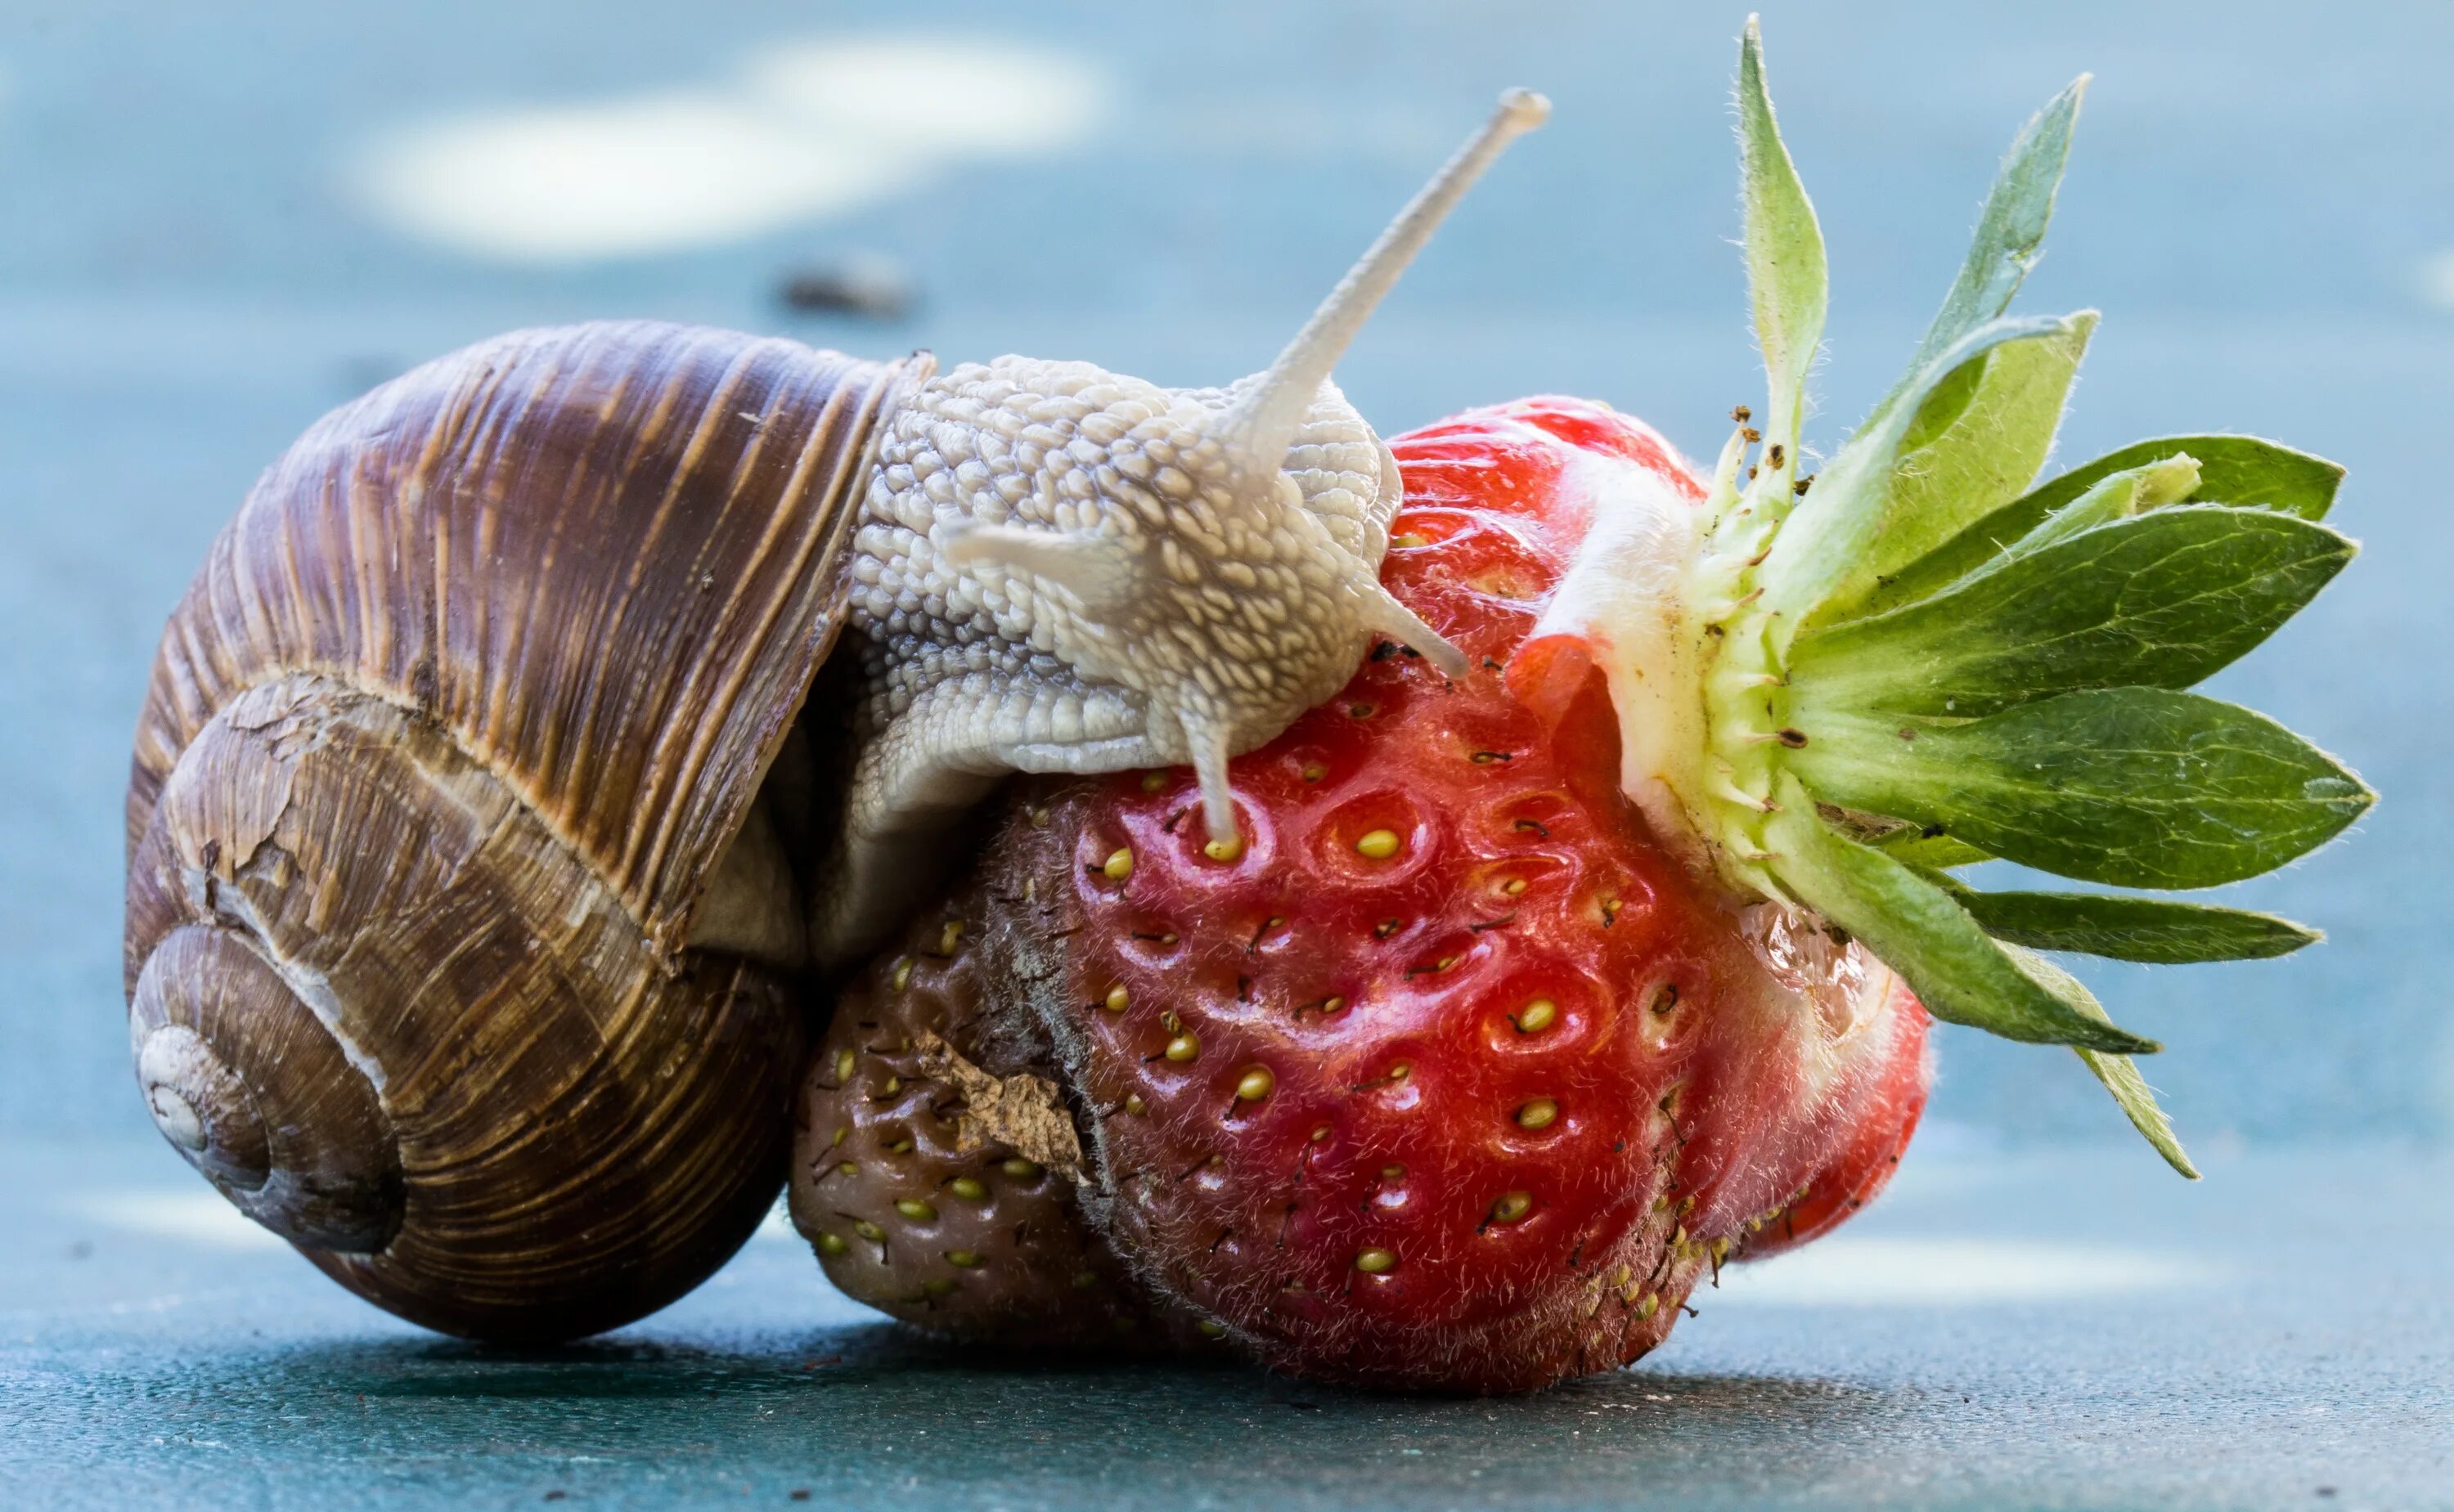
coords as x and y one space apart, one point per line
2262 203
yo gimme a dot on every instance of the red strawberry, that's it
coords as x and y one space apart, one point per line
1511 1005
1449 1075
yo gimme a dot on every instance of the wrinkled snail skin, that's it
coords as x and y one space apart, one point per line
1060 569
496 804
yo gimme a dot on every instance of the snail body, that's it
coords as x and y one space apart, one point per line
485 832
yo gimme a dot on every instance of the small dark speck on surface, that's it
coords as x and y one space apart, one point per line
870 287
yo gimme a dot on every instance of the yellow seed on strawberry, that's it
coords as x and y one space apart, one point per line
1020 1169
1537 1016
1152 781
832 1244
1116 999
1119 864
1541 1113
1183 1047
1376 845
962 1259
1375 1261
1230 848
914 1209
1512 1207
969 1188
1255 1085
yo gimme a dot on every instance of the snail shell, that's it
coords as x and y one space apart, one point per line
461 949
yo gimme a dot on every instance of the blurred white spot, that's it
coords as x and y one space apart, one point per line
1850 1272
2437 281
193 1217
803 132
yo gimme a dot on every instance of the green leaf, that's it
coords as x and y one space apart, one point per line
2117 1072
2135 787
1987 450
1784 246
2232 470
1914 926
1981 416
2158 599
2160 931
1913 847
2010 232
2117 496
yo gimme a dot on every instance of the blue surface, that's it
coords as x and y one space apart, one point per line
2263 202
2070 1332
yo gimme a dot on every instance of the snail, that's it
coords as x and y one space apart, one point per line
551 719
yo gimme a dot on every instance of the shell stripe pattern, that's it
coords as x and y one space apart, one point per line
587 553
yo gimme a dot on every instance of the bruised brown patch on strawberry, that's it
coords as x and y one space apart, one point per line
937 1165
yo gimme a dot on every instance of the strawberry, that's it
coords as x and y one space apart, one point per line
1444 1071
1511 1005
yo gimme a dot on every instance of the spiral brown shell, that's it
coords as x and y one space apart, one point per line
461 949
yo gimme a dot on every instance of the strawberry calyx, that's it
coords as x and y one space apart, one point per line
1835 691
